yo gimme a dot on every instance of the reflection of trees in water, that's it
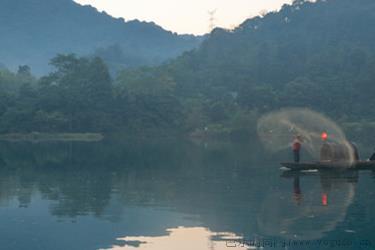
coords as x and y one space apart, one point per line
82 193
85 178
219 184
11 186
2 162
74 192
59 174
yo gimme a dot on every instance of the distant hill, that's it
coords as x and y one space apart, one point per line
34 31
319 55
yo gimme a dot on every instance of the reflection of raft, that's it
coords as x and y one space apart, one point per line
330 165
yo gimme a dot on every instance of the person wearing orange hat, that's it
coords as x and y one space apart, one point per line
326 153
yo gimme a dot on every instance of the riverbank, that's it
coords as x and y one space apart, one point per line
36 137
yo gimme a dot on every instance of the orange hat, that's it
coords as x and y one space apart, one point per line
324 136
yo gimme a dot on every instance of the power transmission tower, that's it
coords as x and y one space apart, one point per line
212 19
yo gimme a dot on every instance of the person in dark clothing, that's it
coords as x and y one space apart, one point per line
355 151
296 148
326 152
372 158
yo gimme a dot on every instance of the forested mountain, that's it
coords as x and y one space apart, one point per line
319 55
34 31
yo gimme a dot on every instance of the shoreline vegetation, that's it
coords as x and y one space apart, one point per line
45 137
357 131
220 89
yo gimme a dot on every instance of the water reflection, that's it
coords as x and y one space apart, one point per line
148 195
105 191
319 202
197 238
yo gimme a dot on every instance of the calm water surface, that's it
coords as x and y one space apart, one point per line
168 195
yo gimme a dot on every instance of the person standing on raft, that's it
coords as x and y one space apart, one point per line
372 157
296 148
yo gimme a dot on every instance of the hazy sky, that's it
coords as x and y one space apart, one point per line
186 16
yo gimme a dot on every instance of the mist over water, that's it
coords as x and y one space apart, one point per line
277 130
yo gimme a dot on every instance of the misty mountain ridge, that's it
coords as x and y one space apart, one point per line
34 31
309 54
317 55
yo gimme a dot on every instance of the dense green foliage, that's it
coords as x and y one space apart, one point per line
80 96
34 31
319 55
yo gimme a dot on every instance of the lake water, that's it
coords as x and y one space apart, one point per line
172 195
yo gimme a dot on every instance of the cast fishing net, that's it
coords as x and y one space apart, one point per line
277 130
